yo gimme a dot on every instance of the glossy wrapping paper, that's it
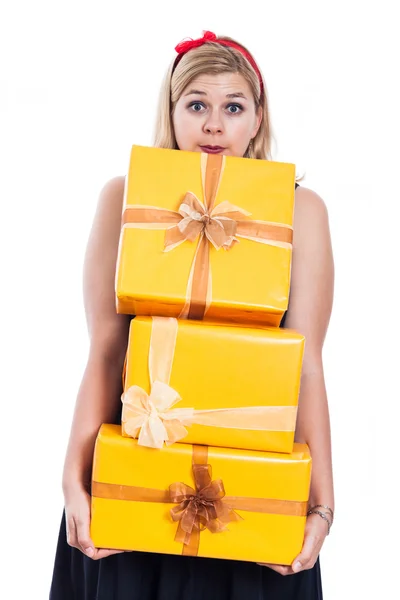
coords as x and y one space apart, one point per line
205 237
203 383
199 500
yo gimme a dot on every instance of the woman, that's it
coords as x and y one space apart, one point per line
213 100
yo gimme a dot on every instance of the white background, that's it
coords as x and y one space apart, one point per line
79 84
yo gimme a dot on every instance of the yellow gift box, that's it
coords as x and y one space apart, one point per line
199 500
215 384
205 237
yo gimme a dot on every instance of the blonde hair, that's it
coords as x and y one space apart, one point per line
212 58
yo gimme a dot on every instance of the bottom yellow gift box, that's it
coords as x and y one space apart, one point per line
199 500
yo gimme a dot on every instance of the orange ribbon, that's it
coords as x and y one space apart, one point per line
205 507
219 225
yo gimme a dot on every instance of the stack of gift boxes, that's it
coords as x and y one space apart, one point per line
204 462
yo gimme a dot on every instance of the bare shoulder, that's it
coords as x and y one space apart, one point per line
311 233
107 220
112 193
310 211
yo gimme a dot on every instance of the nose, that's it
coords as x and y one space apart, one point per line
213 124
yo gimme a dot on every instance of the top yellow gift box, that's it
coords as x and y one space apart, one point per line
205 237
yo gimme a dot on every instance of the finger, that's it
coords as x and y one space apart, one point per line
307 555
72 539
281 569
104 552
84 541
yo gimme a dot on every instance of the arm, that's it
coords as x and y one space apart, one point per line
311 298
100 390
309 313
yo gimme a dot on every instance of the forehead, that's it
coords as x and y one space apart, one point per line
219 84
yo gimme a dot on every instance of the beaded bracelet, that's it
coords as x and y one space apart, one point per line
314 511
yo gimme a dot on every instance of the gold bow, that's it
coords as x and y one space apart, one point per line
219 226
150 415
202 508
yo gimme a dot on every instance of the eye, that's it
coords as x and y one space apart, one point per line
234 109
196 106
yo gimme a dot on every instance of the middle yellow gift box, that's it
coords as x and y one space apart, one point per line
215 384
199 500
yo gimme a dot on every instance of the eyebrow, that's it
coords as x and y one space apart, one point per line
200 93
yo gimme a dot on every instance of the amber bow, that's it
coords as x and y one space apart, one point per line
219 226
202 508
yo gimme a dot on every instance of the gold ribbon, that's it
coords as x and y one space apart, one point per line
205 507
152 418
219 225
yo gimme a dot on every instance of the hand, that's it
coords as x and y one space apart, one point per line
77 515
315 533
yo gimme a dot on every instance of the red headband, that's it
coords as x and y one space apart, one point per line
209 36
